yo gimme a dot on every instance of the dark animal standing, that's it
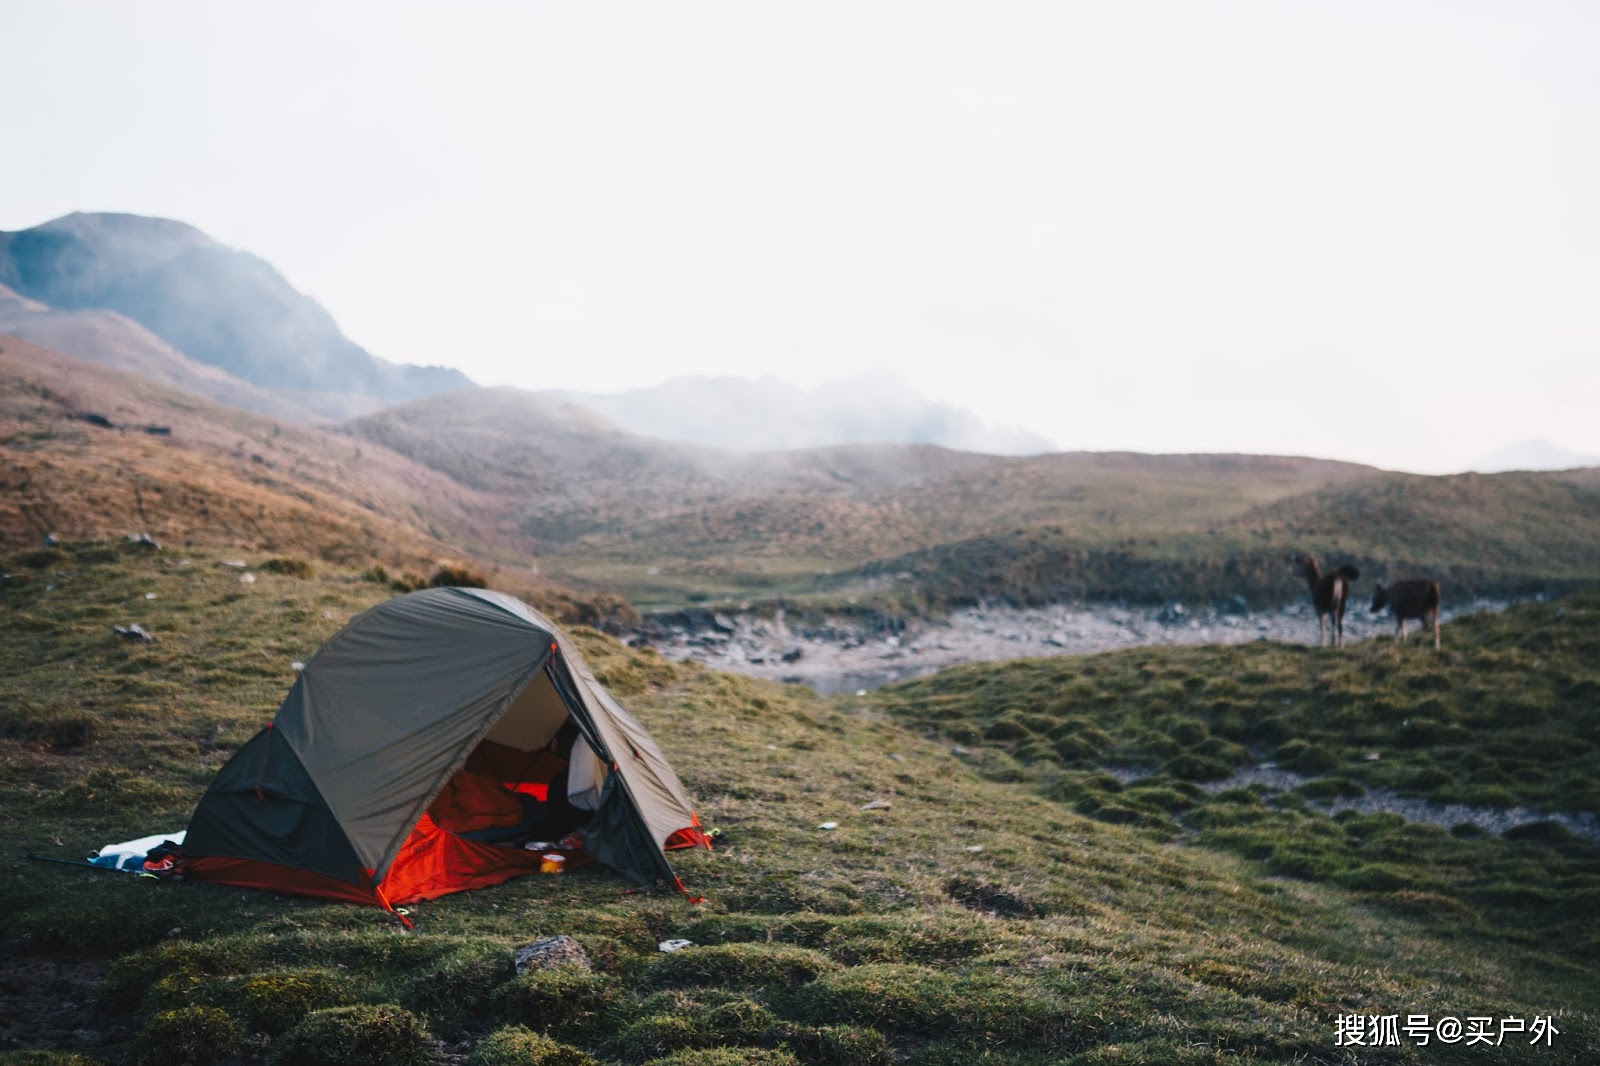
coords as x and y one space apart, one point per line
1412 598
1328 594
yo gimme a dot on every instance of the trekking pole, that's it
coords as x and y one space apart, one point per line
80 865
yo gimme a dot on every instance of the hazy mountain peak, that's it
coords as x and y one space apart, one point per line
215 304
768 413
1533 454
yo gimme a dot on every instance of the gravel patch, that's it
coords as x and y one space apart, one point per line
834 657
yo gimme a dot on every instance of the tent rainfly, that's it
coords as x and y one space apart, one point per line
424 737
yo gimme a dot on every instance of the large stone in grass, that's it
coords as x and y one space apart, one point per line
551 952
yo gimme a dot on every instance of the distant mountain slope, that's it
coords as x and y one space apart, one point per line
1532 523
568 472
1481 535
662 520
217 305
87 452
114 340
769 414
1533 455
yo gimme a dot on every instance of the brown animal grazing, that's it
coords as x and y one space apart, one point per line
1412 598
1328 593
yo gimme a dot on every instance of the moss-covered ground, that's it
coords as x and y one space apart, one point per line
1013 903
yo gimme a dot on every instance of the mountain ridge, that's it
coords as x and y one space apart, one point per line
769 414
217 305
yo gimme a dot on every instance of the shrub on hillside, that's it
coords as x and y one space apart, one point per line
409 582
44 559
274 1003
376 574
288 567
188 1035
915 1000
460 577
63 728
563 1001
383 1035
741 966
852 1045
735 1021
516 1045
729 1056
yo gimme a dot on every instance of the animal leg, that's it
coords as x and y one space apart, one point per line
1436 629
1400 629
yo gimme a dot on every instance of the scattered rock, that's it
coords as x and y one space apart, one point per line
237 564
143 540
247 578
793 655
675 945
159 431
149 595
876 805
893 756
551 952
975 848
297 666
828 825
723 622
51 540
95 419
134 632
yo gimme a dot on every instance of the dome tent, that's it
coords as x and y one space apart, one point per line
334 797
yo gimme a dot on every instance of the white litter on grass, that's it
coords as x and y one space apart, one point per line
248 579
828 825
675 945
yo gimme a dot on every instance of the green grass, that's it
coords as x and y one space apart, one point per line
1507 715
1151 530
1191 928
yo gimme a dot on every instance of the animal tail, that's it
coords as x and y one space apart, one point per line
1348 572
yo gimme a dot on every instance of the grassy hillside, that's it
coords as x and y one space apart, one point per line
91 452
1479 534
982 917
922 529
1506 716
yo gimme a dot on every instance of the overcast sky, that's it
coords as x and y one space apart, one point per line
1360 230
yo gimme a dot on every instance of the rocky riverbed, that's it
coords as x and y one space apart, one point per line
1273 779
844 656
